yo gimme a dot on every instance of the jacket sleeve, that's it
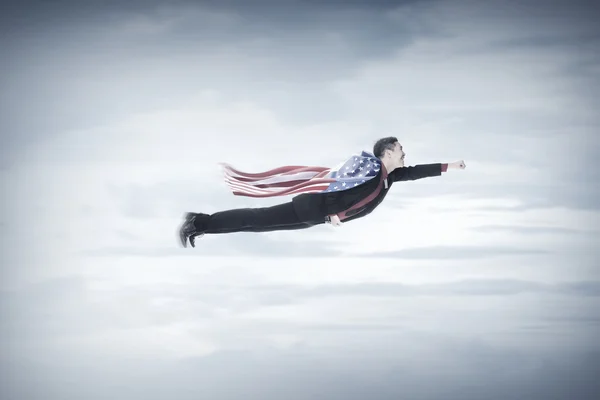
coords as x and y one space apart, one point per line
416 172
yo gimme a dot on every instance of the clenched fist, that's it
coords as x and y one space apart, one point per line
457 165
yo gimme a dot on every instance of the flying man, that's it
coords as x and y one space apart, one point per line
322 195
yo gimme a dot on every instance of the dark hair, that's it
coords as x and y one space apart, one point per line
380 146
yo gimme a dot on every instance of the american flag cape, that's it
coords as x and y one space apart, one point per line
294 179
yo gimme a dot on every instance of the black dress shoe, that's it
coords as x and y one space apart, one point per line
188 230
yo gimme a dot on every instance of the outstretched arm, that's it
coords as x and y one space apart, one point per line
423 171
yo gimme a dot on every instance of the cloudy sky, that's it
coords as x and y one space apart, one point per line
480 284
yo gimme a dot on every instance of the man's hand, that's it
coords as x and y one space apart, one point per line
457 165
335 220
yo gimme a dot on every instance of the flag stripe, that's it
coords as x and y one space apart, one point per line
266 174
302 176
307 189
242 186
281 191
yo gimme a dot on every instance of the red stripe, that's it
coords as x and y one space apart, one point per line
241 185
303 184
318 188
291 169
287 184
280 184
244 185
251 180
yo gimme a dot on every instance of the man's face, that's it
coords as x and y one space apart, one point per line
398 154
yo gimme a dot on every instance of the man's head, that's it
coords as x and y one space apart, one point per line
390 151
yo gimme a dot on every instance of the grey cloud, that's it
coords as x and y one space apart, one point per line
260 244
454 252
64 10
297 244
530 230
474 287
49 308
156 251
383 347
580 194
580 288
50 41
58 307
62 307
203 295
163 198
194 191
465 370
231 245
583 195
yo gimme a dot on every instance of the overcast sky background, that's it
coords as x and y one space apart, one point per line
480 284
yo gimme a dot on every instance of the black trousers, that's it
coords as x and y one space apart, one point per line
263 219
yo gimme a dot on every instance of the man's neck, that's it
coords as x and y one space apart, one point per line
389 167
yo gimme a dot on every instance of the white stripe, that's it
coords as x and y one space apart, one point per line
229 170
272 180
284 178
250 189
246 188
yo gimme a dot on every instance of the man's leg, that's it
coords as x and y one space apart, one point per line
263 219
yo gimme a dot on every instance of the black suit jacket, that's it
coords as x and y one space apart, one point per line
315 207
